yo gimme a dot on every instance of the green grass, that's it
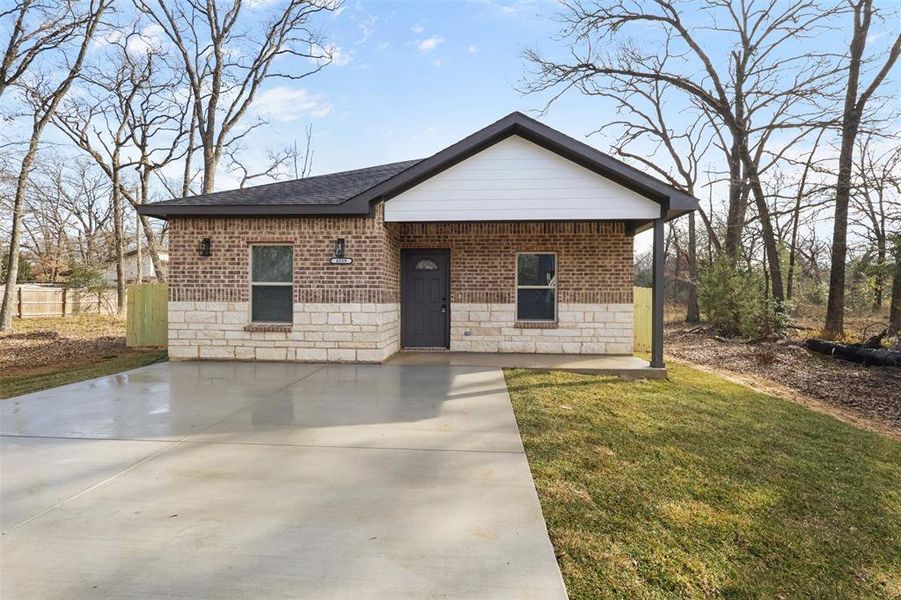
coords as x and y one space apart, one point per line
16 385
699 487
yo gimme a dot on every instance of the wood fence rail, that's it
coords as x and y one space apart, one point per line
57 301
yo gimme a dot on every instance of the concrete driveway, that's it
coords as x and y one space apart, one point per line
256 480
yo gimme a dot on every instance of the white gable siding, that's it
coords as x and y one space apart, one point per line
516 180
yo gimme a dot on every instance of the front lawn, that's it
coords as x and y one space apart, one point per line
46 352
701 487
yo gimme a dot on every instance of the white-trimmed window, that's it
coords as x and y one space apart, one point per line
536 286
271 284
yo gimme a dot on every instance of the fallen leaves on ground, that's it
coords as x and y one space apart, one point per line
873 393
35 344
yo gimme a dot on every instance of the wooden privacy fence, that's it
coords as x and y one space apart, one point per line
641 298
33 300
148 318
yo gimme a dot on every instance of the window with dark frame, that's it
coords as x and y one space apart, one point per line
271 284
536 286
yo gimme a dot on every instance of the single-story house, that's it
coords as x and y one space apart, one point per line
130 267
515 239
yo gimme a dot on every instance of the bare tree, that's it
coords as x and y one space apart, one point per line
802 193
641 103
46 226
85 194
226 60
857 95
44 97
277 162
97 122
764 74
36 27
876 200
275 167
159 123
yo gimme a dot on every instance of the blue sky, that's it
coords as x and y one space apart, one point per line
413 77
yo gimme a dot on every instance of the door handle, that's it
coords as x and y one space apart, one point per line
444 308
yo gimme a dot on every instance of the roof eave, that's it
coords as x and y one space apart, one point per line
164 211
671 199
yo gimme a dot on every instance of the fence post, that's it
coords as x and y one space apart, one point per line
19 290
65 293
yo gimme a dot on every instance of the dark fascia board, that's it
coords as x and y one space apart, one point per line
673 201
247 210
637 226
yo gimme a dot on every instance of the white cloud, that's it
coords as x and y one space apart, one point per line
438 62
384 45
473 49
286 104
508 8
429 44
417 29
367 28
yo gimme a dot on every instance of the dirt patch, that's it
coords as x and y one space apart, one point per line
36 344
865 396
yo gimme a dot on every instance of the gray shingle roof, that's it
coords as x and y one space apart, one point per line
319 190
354 192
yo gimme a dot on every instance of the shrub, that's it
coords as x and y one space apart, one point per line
732 301
25 271
86 278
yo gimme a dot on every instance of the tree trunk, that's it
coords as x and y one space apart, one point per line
766 226
894 319
879 284
15 239
693 312
139 254
793 249
210 162
153 245
835 306
118 240
735 218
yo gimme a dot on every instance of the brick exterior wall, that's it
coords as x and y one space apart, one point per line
352 312
225 275
594 260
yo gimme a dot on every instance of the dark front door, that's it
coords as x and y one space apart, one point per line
425 310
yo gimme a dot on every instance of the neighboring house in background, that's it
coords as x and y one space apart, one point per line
130 267
515 239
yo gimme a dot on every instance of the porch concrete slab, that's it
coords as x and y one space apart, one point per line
406 482
626 366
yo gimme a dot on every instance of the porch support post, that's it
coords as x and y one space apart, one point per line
657 298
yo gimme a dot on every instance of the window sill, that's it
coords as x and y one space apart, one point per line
283 327
536 325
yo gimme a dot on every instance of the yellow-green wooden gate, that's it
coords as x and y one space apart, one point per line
148 318
641 298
